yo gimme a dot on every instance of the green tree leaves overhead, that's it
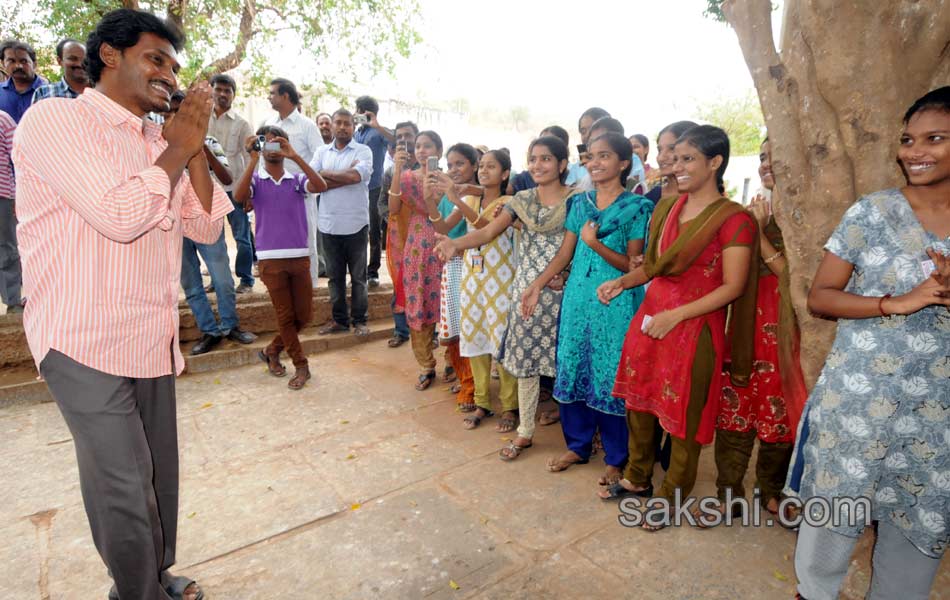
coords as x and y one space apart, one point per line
741 118
363 37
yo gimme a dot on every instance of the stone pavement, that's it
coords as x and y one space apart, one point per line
360 487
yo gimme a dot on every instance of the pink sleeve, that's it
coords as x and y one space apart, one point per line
120 209
197 224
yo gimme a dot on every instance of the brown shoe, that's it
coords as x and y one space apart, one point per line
300 378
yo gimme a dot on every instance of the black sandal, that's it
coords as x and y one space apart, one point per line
618 492
474 420
424 381
274 368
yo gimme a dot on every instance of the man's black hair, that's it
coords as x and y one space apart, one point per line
341 111
409 124
367 104
62 46
17 45
226 80
286 86
121 29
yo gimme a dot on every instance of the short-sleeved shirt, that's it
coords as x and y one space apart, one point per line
60 89
280 222
232 131
368 136
445 209
15 103
302 133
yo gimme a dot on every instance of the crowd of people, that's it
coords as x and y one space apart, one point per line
652 308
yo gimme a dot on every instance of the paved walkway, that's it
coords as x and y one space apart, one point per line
361 487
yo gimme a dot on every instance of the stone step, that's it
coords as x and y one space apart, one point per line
20 385
255 314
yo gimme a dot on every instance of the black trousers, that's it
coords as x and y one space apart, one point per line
347 252
126 438
376 228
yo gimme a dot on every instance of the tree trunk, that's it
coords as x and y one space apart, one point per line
833 100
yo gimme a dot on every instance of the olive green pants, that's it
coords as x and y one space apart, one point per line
508 384
733 452
684 457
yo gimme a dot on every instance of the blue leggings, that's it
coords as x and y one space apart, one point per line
579 422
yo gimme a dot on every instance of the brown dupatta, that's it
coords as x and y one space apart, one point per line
692 240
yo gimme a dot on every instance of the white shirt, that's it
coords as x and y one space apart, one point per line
344 210
302 133
231 131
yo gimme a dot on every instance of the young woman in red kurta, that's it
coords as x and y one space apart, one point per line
701 248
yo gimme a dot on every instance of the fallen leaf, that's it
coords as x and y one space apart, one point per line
413 503
217 381
778 575
355 506
484 520
344 422
454 585
191 515
350 456
207 405
786 557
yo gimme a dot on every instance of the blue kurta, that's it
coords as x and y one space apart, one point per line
591 335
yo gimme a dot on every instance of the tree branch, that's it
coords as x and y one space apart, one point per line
246 31
176 13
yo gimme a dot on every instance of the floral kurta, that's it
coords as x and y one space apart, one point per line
421 268
878 420
484 295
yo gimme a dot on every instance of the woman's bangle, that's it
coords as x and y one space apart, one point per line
880 305
395 194
770 259
436 220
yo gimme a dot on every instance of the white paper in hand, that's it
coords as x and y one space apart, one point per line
646 322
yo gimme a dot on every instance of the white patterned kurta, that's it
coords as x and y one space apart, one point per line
530 345
484 296
878 419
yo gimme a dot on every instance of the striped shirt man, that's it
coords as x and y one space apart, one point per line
100 236
7 127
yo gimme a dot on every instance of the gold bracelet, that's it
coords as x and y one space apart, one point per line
431 220
391 193
772 258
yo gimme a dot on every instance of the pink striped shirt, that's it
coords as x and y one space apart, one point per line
100 236
7 127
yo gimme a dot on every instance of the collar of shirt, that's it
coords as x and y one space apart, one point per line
37 82
263 174
117 115
333 148
292 117
228 114
63 87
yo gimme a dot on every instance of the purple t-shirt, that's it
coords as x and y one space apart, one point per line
280 222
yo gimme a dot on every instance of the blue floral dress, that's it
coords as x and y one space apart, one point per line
877 423
591 335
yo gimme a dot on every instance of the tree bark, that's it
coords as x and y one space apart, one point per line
833 101
246 31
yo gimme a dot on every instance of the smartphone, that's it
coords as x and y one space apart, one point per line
432 163
404 146
272 147
582 148
360 119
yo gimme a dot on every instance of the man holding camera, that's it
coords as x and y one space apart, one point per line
347 167
370 133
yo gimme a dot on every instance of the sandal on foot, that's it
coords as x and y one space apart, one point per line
396 341
332 327
512 451
474 420
556 465
549 417
273 364
507 424
610 479
456 388
707 521
467 407
299 380
448 375
618 492
424 381
176 588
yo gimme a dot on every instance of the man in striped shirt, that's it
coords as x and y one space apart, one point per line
70 55
103 199
10 277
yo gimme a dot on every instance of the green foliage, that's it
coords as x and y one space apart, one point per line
741 118
714 10
362 36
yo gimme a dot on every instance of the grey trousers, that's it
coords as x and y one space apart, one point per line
126 439
10 275
899 570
